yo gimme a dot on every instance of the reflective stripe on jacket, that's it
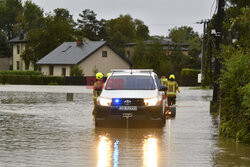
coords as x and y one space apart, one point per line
97 89
164 83
172 88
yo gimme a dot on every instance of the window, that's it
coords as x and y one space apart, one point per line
128 54
51 70
63 71
158 82
18 49
104 54
17 65
27 65
130 82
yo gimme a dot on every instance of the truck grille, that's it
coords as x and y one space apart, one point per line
127 102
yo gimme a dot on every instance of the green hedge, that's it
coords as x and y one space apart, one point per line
235 101
189 77
31 79
9 72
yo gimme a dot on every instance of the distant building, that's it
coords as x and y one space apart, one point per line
5 62
90 56
19 44
167 43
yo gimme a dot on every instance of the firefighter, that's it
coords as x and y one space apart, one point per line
164 81
108 74
172 90
97 89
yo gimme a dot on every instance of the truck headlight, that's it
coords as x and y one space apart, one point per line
104 101
151 101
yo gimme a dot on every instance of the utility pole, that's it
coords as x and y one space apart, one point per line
205 25
217 63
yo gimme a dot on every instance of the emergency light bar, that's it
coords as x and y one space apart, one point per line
132 70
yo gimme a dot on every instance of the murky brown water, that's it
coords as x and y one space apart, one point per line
43 129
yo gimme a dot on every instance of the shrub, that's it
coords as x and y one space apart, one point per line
31 79
235 90
52 83
190 72
189 77
76 71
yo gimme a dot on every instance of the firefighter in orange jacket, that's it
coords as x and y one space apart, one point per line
172 90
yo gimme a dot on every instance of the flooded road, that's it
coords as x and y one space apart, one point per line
43 129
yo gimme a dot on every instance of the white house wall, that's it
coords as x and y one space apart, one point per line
57 70
103 64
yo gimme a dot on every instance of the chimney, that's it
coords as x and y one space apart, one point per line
21 36
79 43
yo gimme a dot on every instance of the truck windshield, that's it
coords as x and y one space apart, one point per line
130 82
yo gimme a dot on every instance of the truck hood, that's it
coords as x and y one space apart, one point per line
129 93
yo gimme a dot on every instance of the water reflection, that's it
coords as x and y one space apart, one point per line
150 152
116 154
115 145
104 151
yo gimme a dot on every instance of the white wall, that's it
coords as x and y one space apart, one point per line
103 64
57 70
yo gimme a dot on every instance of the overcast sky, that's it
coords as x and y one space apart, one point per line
158 15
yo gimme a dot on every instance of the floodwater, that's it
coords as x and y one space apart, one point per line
43 129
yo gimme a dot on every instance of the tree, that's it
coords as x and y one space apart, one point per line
186 35
92 28
63 15
151 56
30 18
139 58
240 3
8 14
142 32
55 30
178 60
4 46
76 71
125 29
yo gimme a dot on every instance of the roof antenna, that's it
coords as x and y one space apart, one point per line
131 69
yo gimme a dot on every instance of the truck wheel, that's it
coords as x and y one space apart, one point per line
173 113
164 119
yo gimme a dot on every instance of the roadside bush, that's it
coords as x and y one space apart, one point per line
189 77
52 83
9 72
76 71
235 90
53 79
31 79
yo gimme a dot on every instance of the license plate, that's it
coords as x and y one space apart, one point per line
127 115
128 108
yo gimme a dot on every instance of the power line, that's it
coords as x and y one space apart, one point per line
212 8
171 24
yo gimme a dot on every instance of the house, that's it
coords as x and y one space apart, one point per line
19 44
167 43
5 62
91 57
